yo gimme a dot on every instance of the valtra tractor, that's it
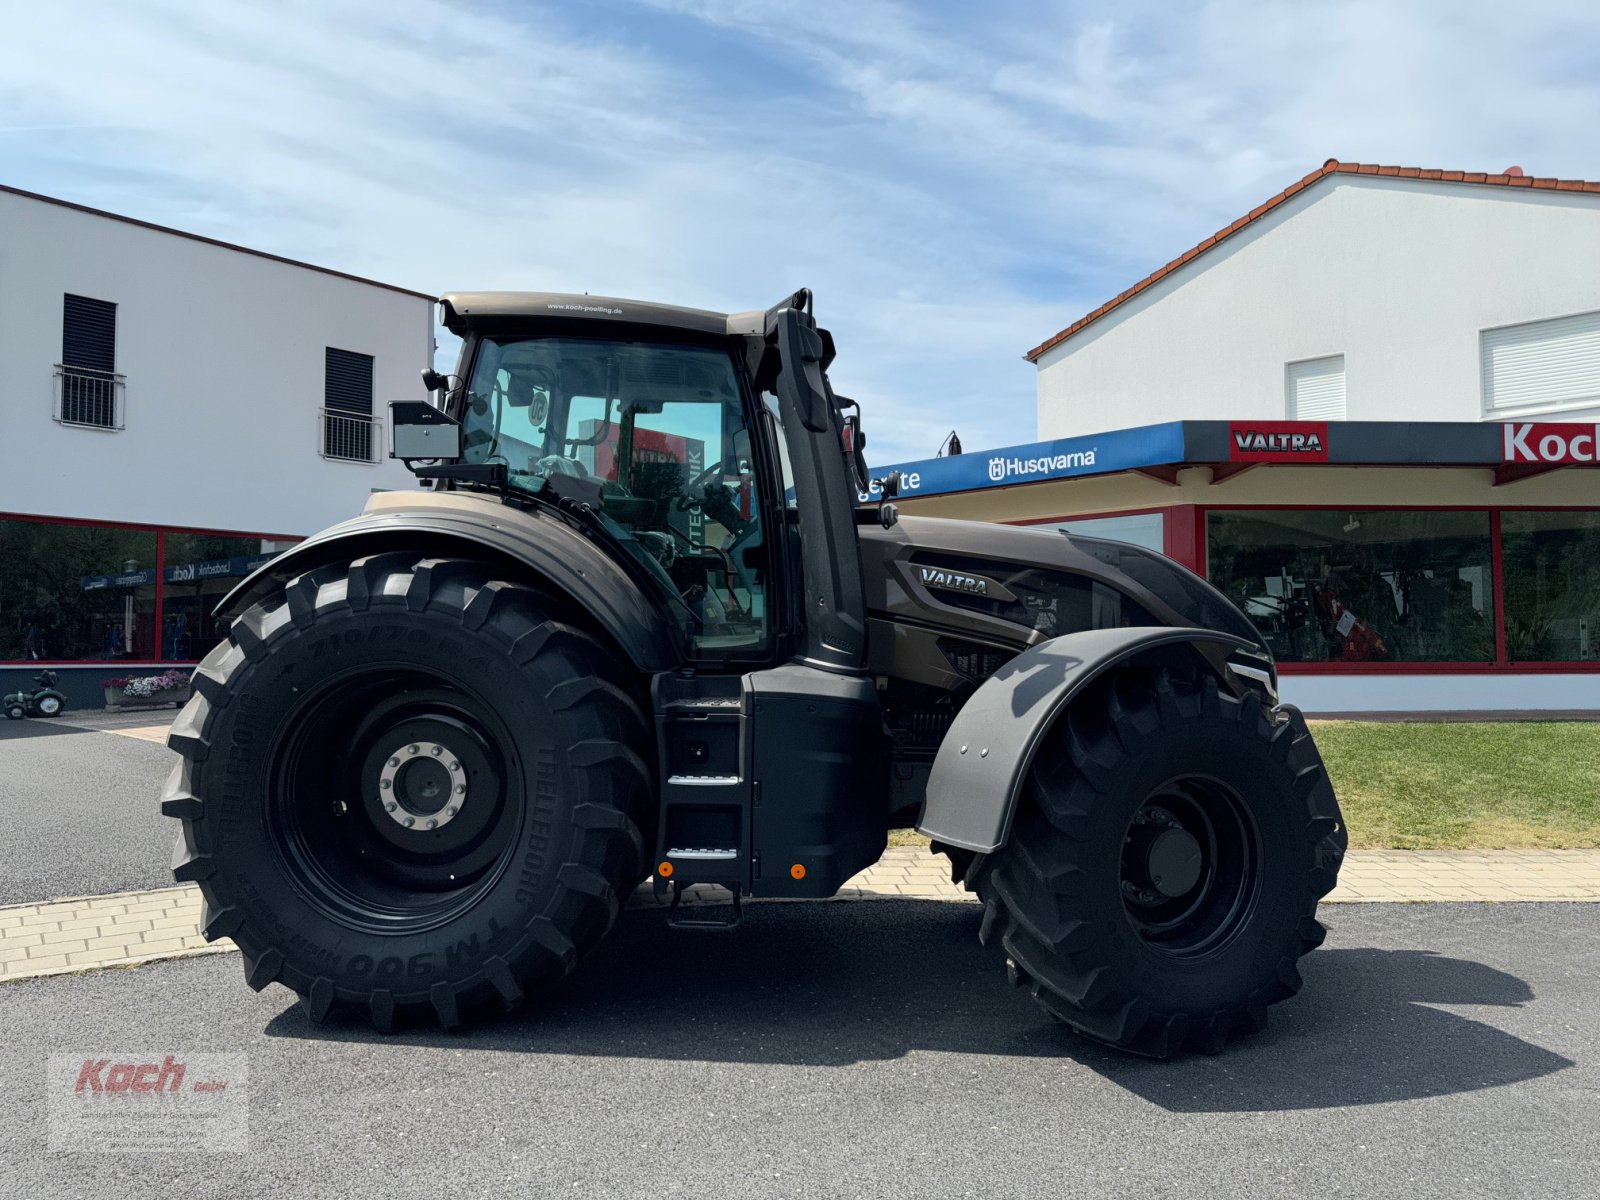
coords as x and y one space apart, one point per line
647 615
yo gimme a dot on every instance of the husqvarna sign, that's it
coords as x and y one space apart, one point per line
1117 450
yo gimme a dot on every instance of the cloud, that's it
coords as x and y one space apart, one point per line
956 182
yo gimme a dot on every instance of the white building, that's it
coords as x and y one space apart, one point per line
1361 293
1369 412
172 408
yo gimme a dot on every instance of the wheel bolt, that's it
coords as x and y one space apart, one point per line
410 821
387 784
394 762
455 766
461 789
432 823
451 811
436 750
412 749
390 807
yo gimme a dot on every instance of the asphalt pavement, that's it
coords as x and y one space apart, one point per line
82 812
872 1049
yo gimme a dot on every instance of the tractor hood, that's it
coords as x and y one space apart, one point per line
1015 585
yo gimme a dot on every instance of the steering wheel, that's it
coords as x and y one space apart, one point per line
693 494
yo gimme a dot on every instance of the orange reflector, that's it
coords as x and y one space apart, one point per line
798 870
665 870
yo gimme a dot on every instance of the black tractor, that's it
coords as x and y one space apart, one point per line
648 616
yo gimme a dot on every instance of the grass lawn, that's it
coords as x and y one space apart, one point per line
1458 786
1444 787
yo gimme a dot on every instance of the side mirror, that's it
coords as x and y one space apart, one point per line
419 430
434 381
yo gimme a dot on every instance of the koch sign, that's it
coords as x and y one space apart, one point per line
1550 442
1119 450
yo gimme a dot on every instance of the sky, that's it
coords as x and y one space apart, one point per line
955 181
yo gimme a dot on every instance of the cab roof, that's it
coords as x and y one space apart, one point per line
463 311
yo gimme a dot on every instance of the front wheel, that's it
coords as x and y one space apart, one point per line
410 790
1162 876
16 712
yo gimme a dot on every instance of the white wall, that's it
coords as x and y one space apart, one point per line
1399 276
223 353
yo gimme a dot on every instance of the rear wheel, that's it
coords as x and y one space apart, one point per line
410 789
1162 876
49 706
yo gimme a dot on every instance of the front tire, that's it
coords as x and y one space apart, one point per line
1163 872
409 789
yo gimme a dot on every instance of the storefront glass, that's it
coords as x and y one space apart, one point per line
1353 586
76 592
1552 585
200 570
1142 529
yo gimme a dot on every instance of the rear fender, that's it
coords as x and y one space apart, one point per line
984 758
530 546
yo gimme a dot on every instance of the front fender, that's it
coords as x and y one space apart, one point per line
977 775
529 545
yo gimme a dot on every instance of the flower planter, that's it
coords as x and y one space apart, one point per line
119 701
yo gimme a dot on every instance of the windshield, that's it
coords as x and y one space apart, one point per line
659 431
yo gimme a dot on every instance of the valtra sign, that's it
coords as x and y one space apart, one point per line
1547 442
1278 441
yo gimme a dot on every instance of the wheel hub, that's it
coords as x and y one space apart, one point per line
422 786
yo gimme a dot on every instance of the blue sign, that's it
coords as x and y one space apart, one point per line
217 568
1097 454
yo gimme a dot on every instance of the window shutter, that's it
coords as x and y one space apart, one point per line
1314 389
88 333
347 384
1543 364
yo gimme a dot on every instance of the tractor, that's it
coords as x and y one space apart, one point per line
648 616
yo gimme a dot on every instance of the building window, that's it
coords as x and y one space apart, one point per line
74 591
346 427
1142 529
83 592
1552 585
198 570
1542 366
1353 587
1314 389
88 389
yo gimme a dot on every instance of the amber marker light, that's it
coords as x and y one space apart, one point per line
798 871
665 870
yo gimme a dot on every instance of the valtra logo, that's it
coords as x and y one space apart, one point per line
1550 442
1278 441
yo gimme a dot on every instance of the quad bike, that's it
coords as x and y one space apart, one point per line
44 701
644 619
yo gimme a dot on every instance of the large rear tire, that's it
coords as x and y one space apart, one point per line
1162 876
410 789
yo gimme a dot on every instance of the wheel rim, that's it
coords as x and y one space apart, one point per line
49 706
394 800
1190 869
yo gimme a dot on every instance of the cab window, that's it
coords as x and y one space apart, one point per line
660 431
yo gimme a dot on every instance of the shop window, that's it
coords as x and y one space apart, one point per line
76 592
347 424
1552 585
200 569
1314 389
88 388
1339 586
1142 529
1542 365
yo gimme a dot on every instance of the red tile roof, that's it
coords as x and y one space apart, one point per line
1511 177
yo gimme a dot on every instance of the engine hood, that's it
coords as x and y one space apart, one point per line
1020 585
